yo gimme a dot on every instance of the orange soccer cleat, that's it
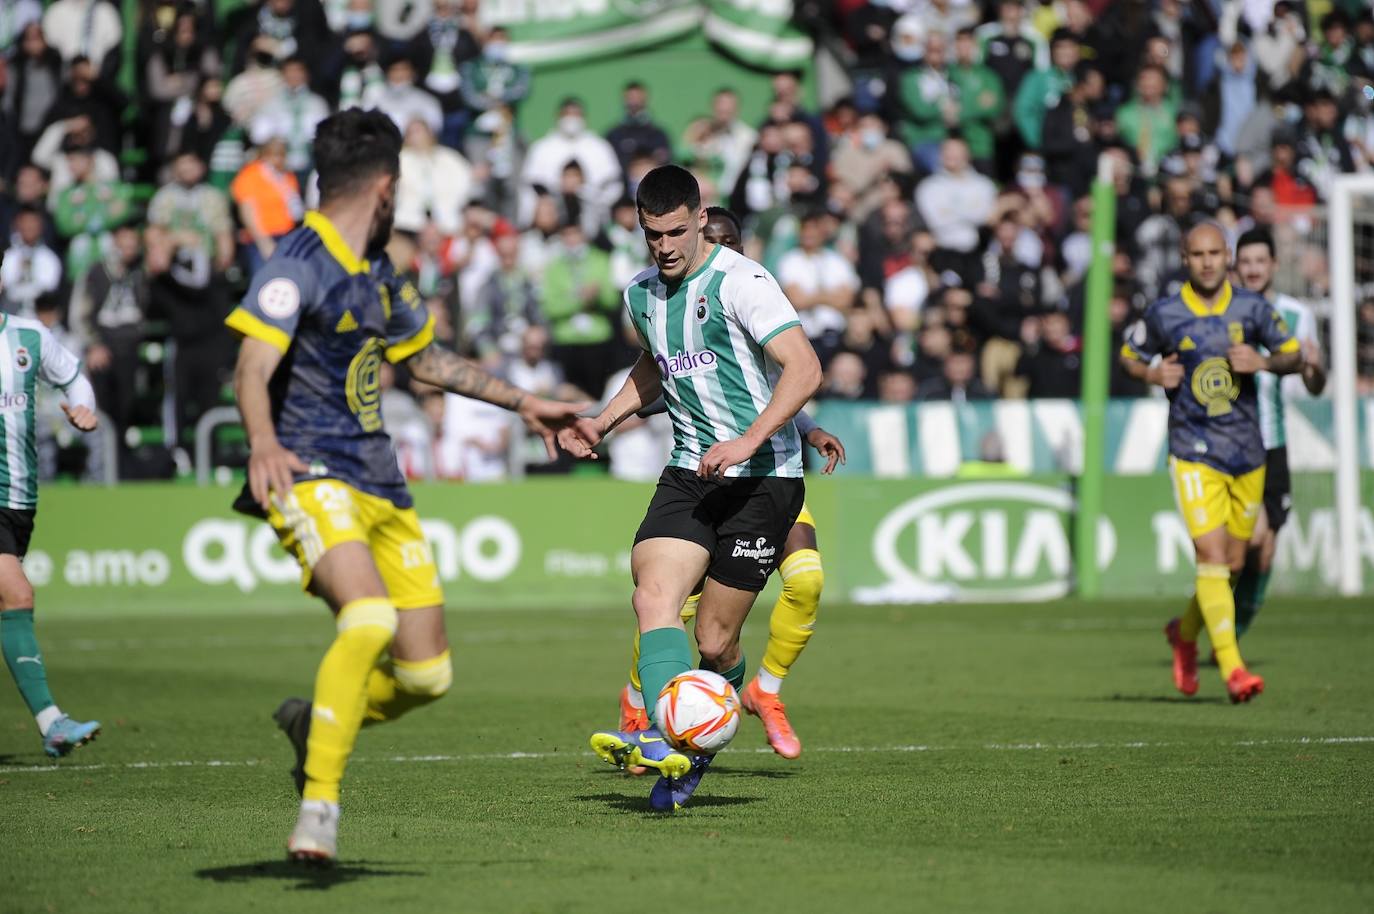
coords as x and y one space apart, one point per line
770 709
632 720
1243 685
1185 659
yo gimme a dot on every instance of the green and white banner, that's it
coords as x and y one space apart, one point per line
1046 436
546 32
565 543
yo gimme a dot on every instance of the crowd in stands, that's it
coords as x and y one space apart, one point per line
931 226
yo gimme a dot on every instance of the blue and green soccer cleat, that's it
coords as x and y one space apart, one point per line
646 747
671 793
66 734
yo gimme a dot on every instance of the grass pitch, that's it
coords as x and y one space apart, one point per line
957 758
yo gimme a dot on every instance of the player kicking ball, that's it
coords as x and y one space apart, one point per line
1255 265
29 354
723 346
794 614
316 322
1207 336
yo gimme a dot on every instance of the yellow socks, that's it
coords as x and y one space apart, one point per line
794 615
1218 609
395 687
1190 623
365 628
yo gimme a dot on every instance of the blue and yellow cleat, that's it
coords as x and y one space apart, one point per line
670 794
646 747
66 734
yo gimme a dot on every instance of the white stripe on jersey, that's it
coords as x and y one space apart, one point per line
15 480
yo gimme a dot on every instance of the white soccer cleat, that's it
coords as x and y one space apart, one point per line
315 839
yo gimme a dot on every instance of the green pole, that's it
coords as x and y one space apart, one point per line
1097 340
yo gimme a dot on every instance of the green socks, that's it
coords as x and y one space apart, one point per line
736 673
1250 592
663 654
25 660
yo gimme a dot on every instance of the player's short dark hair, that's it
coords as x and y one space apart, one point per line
352 147
666 188
1257 235
721 214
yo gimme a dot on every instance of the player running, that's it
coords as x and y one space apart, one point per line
317 321
1255 265
794 614
724 346
1207 335
29 354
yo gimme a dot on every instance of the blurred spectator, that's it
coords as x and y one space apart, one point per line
269 203
473 252
1041 90
1288 181
1011 47
17 15
530 368
88 30
35 76
507 305
570 141
399 23
88 209
293 116
1053 360
625 238
440 48
30 270
1359 123
582 304
1238 94
897 387
474 444
980 100
209 133
929 103
74 132
189 234
1146 122
30 189
1123 314
497 154
871 345
1070 141
280 30
98 101
403 100
956 202
1329 68
176 69
108 308
906 290
539 242
721 142
637 134
786 108
945 17
761 183
956 381
255 85
435 182
845 379
359 76
491 81
863 160
821 285
1159 240
1323 151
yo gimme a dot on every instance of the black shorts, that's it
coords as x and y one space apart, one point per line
1278 488
742 522
16 526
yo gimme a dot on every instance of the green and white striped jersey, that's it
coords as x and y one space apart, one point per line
1270 387
707 333
28 354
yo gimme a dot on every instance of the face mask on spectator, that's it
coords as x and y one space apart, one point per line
570 124
871 137
358 20
495 51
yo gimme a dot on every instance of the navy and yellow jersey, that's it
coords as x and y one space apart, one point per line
334 318
1213 414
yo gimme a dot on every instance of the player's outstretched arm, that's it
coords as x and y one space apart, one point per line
271 467
80 406
443 368
642 387
800 379
827 445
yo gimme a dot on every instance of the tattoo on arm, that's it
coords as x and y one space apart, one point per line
443 368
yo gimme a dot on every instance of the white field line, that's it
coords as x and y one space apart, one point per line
520 756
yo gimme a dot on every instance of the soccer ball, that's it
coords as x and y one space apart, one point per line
698 711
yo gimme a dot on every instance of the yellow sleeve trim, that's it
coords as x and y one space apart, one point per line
249 325
399 352
1291 345
1128 353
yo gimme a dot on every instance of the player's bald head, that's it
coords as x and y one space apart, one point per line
1207 257
1206 233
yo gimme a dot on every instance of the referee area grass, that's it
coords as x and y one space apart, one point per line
956 758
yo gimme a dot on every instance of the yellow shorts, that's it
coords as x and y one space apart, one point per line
805 517
322 513
1210 498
